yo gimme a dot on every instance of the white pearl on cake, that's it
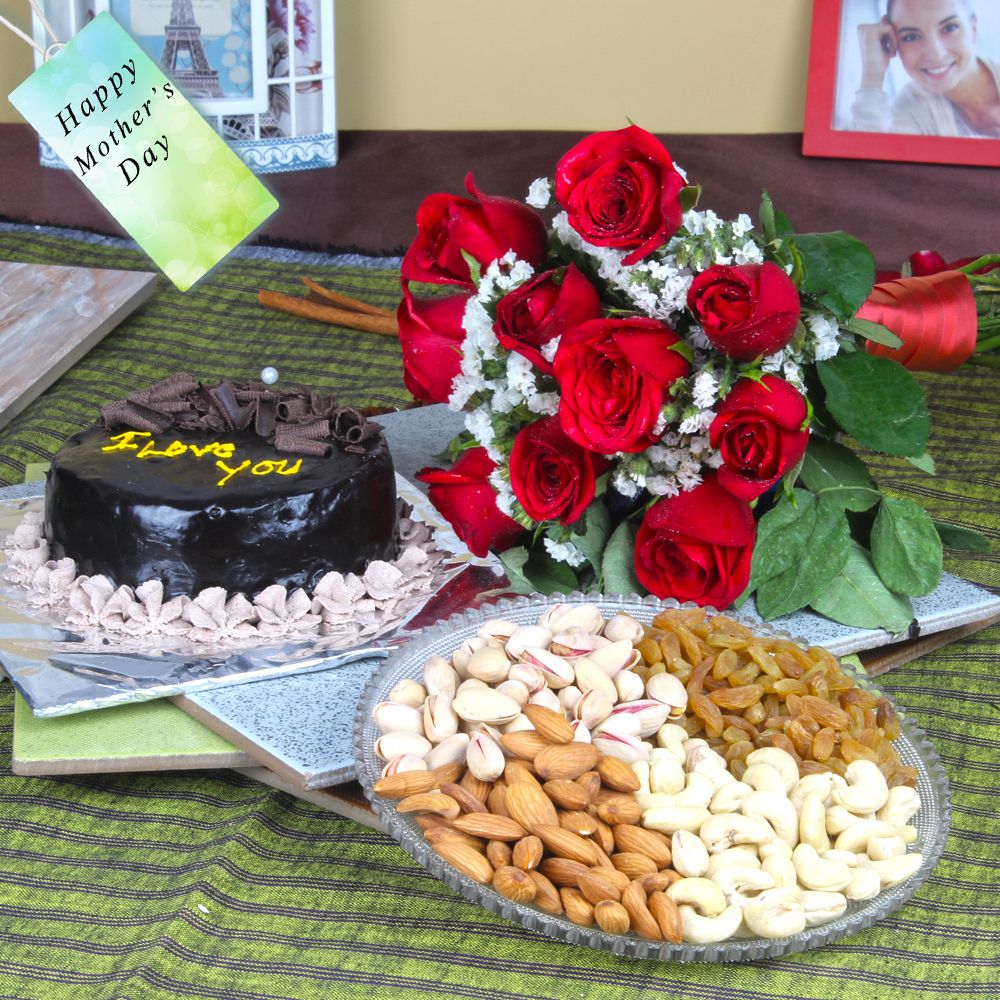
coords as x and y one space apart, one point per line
269 375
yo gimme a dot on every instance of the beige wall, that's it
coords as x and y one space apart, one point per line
669 65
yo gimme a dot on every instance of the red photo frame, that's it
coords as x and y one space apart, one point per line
821 138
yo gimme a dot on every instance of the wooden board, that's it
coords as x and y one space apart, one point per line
346 800
150 736
50 317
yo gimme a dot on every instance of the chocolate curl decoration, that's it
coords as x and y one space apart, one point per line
236 417
352 431
294 410
934 316
138 418
311 438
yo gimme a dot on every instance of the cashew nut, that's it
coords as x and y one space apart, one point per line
880 848
850 858
822 906
782 762
855 838
672 737
689 854
763 777
708 930
641 770
666 774
812 819
670 819
908 833
745 854
901 805
776 860
654 800
865 884
866 790
777 810
729 829
776 913
819 873
741 883
729 797
892 871
824 782
838 819
698 791
703 894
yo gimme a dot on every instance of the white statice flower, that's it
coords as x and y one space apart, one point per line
504 497
662 486
565 552
773 363
793 375
749 253
695 422
478 326
544 403
826 333
742 225
705 390
480 426
539 193
521 374
548 350
694 222
624 485
689 479
502 275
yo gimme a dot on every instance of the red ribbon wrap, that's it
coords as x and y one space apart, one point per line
934 315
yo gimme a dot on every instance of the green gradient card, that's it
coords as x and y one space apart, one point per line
149 157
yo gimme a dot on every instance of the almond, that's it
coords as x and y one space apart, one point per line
562 871
496 801
660 881
441 834
595 886
549 724
546 894
576 907
490 826
604 837
590 782
467 802
635 839
617 774
468 861
578 822
565 844
528 853
565 760
566 794
518 771
498 853
530 806
618 879
632 864
667 916
611 917
525 743
433 802
642 921
620 809
476 786
514 884
397 786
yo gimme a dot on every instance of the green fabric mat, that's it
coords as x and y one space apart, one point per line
209 885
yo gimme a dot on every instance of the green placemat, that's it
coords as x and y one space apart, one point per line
149 736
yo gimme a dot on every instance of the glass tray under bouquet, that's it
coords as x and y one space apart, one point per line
932 821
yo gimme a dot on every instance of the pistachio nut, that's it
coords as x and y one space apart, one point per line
516 690
489 664
392 745
531 677
440 720
525 636
572 643
408 692
407 762
622 626
615 656
593 708
448 751
626 748
670 691
485 705
629 685
569 697
557 672
484 757
396 717
547 698
649 714
590 677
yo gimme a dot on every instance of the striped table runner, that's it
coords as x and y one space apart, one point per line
209 885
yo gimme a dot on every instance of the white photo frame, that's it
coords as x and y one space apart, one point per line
225 69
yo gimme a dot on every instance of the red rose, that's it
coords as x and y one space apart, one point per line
485 227
759 431
697 546
614 377
466 499
542 309
550 475
431 334
621 190
746 311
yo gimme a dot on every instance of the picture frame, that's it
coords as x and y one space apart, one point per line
297 128
223 68
836 108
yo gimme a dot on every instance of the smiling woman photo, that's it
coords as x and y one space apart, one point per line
953 89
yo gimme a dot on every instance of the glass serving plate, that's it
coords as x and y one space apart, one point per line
932 821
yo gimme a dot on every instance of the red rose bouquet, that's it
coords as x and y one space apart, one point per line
654 395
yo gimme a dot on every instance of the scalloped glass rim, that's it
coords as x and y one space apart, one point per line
933 821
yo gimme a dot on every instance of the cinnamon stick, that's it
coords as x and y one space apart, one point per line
309 309
319 292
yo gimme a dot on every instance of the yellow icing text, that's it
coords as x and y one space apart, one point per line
145 446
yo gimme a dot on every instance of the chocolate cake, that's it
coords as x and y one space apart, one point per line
236 485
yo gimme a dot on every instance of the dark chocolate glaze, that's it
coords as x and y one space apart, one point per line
135 519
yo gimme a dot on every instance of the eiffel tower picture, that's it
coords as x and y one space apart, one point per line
183 38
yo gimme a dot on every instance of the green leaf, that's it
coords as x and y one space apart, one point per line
783 224
767 220
782 534
876 401
924 462
839 271
475 271
906 548
596 528
689 197
829 466
857 597
536 572
618 566
459 443
875 332
954 537
821 558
